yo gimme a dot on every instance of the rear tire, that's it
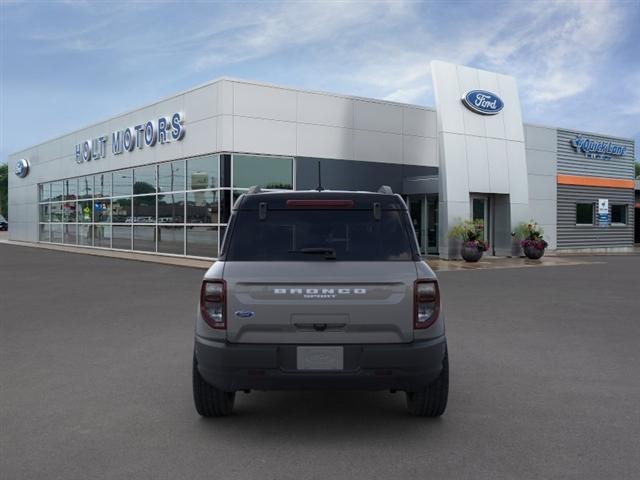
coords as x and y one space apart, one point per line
210 401
432 401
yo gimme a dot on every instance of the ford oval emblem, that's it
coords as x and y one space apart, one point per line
483 102
22 168
244 314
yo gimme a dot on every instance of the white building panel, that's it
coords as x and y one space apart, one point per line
518 189
380 117
377 147
322 109
498 166
447 91
494 123
474 124
260 101
420 151
201 103
418 121
202 138
511 113
325 142
266 136
457 172
477 164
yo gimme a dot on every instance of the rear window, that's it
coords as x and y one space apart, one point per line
319 235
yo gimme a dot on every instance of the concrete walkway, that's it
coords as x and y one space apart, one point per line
487 262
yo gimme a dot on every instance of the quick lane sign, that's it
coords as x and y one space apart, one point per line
148 134
598 149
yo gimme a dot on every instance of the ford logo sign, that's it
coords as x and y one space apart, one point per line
244 314
22 168
483 102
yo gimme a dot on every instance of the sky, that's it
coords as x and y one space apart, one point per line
67 64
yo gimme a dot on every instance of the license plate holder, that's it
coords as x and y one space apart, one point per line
320 358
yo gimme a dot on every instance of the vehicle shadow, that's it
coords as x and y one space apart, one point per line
321 416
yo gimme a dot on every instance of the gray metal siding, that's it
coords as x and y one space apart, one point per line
571 162
572 236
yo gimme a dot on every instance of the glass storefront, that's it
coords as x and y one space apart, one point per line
179 207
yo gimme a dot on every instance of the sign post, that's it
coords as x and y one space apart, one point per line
603 212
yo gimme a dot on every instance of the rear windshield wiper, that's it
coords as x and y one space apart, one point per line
329 253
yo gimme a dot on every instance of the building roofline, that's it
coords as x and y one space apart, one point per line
218 80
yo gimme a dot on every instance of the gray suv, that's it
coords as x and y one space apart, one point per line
320 290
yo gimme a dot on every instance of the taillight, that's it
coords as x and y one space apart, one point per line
426 303
212 303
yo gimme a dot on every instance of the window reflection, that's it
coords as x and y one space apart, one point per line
56 191
84 211
171 176
85 187
102 185
121 210
69 212
70 234
121 237
202 172
144 238
202 241
144 209
144 180
71 189
171 240
171 208
45 212
202 207
56 232
85 234
102 210
45 232
268 172
122 183
56 212
102 236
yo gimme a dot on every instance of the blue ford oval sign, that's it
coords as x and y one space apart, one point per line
483 102
22 168
244 313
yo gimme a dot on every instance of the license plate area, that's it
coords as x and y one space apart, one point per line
320 358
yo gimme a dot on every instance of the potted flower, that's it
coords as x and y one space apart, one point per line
533 242
470 234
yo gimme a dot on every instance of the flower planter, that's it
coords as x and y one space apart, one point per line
470 253
533 252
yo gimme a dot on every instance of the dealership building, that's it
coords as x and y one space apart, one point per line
162 179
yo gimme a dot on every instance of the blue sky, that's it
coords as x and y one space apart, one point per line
67 64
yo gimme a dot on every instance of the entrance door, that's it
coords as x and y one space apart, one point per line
480 211
432 225
417 213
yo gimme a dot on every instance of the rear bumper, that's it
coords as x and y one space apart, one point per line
408 367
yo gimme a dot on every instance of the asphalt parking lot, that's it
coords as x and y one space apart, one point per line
95 365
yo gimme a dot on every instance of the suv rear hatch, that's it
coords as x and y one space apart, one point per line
320 271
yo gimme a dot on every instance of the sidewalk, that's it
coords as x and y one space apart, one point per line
487 262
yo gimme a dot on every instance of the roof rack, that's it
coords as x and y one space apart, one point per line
254 189
385 189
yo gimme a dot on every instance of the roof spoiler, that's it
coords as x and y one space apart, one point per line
385 189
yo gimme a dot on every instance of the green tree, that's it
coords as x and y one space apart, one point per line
638 170
4 190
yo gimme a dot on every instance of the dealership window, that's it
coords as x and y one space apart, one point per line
585 213
618 214
180 207
268 172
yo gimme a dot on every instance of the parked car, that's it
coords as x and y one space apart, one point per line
4 224
320 290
